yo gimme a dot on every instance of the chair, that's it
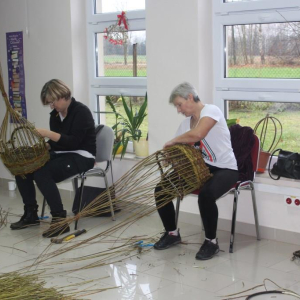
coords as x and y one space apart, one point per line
246 184
104 142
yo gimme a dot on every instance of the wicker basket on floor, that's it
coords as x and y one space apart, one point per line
25 150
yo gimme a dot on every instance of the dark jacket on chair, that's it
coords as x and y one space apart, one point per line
242 141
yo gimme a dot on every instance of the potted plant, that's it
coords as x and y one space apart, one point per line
269 131
127 127
231 122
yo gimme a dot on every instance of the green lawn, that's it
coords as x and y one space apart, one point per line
119 59
124 73
290 121
265 72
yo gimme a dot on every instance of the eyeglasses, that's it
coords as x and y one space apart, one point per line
51 103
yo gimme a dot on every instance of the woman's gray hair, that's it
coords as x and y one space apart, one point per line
183 90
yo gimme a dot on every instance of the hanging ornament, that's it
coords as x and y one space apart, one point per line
117 34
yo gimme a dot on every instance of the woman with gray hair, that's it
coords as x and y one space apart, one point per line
205 128
71 141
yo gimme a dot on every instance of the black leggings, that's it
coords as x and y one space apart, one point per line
213 189
57 169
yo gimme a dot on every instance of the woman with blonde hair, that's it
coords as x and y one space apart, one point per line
71 141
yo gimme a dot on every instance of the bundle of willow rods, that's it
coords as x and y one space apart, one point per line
25 150
22 286
182 166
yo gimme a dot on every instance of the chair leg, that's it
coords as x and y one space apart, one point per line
43 209
109 198
177 211
75 184
235 201
80 198
255 211
111 173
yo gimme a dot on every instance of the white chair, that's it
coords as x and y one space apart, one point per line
104 143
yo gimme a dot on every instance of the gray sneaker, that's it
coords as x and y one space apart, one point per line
167 240
207 250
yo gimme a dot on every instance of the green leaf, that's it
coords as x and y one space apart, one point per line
128 112
115 148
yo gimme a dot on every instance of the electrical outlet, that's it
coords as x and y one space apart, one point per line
292 201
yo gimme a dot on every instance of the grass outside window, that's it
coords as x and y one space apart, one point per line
289 118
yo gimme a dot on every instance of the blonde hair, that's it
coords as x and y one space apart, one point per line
53 90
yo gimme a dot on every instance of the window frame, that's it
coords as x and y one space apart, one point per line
250 89
105 86
239 13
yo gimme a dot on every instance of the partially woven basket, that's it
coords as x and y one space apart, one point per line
187 169
25 150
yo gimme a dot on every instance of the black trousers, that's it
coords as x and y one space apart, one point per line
57 169
213 189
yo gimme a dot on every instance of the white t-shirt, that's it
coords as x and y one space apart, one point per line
216 146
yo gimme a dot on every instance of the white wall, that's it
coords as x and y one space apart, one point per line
47 51
79 51
179 48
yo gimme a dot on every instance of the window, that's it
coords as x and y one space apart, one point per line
105 6
263 50
257 62
123 59
116 56
109 117
250 112
227 1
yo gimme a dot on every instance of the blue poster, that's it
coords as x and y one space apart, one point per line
16 75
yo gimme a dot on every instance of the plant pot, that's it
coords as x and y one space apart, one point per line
119 149
141 148
263 161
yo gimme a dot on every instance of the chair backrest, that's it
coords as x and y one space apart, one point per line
104 142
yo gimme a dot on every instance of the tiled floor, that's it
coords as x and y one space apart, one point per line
157 275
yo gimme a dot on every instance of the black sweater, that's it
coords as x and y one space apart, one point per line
77 129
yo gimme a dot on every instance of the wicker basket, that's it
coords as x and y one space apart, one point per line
185 162
23 159
25 151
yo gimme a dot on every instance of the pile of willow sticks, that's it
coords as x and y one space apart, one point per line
182 170
181 167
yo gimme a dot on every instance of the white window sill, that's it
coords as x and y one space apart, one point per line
283 186
127 156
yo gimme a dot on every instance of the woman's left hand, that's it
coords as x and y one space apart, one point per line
54 136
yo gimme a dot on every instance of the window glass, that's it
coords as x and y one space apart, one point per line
105 6
123 55
263 50
109 118
250 112
227 1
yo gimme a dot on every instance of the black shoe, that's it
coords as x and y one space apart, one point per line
29 218
167 240
56 228
207 250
